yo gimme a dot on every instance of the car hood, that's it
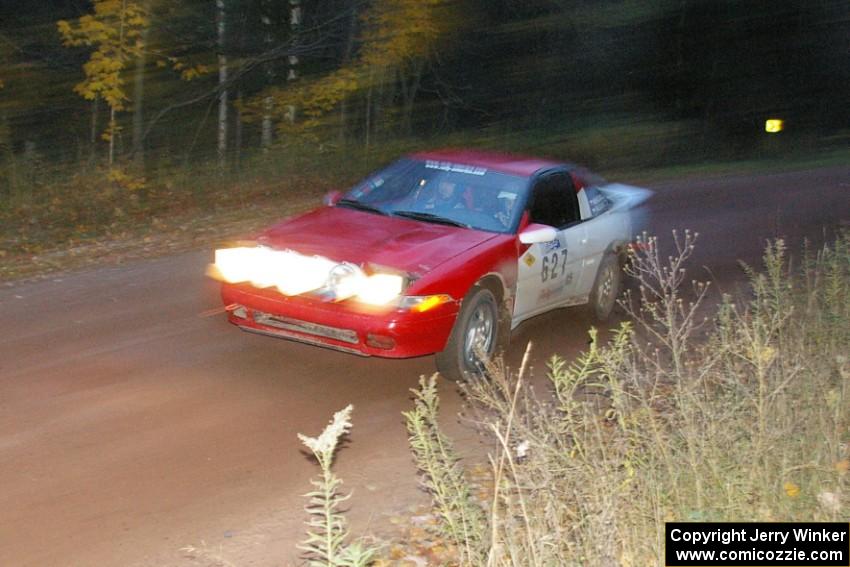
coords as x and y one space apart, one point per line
361 238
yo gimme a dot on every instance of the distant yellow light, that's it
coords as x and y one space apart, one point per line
774 125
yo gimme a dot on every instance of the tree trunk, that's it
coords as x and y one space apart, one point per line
222 82
112 123
138 98
95 108
268 102
111 136
679 78
369 110
238 133
295 26
378 108
410 96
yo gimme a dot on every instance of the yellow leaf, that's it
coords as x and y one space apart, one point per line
842 466
791 489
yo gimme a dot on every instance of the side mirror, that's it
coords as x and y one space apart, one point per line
332 198
536 233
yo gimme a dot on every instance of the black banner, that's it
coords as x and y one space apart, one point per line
764 544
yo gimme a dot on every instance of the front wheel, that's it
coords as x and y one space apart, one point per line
609 281
474 337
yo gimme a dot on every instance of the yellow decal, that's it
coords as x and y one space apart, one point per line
529 260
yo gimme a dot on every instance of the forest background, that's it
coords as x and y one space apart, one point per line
121 116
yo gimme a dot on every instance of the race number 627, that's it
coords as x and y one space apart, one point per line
554 265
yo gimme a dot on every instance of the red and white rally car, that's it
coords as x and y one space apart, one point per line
441 252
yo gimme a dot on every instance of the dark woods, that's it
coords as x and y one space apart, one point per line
234 75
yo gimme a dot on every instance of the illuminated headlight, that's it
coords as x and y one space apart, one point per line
345 280
234 265
299 274
380 289
293 274
289 272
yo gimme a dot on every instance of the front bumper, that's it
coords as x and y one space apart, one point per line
341 326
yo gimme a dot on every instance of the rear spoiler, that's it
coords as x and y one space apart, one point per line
625 196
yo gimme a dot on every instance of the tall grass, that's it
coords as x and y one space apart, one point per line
741 416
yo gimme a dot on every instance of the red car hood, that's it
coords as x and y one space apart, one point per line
360 238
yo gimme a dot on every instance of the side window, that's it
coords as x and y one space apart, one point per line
598 202
554 201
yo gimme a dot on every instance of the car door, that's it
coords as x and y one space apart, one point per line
549 273
604 230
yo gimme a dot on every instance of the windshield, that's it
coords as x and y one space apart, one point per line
444 193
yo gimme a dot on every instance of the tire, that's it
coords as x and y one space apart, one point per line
477 325
606 288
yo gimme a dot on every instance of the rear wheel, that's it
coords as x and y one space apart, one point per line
609 282
474 338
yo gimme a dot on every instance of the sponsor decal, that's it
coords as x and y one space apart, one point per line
529 260
550 246
455 167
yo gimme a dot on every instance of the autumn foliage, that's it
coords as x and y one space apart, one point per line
115 33
398 38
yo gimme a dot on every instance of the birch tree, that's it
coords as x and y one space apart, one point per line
268 102
295 25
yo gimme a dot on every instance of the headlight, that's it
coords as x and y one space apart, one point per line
294 274
345 280
380 289
233 265
290 272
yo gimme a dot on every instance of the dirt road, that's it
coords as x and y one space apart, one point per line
134 425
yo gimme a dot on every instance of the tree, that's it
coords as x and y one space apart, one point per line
268 41
221 27
400 37
115 31
138 94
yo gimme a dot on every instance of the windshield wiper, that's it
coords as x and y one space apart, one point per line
352 204
429 217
